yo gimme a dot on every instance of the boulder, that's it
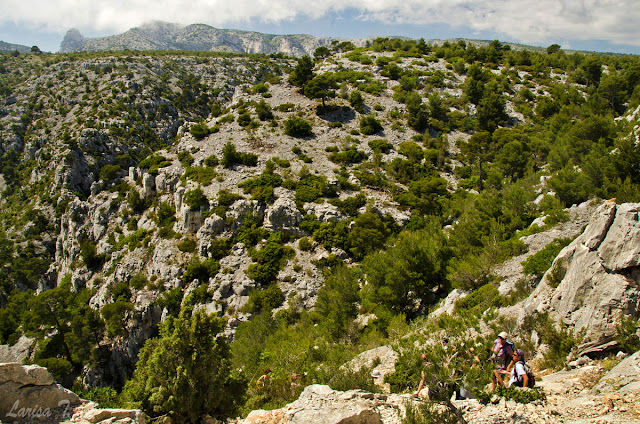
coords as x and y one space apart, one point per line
114 415
624 377
283 216
30 388
319 404
325 212
386 358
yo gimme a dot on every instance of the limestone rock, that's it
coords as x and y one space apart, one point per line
386 357
320 404
596 231
283 216
30 386
621 247
600 281
625 376
114 415
447 305
325 212
20 351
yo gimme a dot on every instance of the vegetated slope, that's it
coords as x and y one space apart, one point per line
152 185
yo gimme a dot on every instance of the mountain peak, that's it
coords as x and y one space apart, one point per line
72 41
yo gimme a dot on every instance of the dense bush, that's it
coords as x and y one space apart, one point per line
369 125
189 353
297 127
538 263
195 199
199 130
230 157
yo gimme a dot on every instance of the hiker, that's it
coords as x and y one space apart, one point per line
501 357
264 378
519 374
437 389
469 360
425 363
445 343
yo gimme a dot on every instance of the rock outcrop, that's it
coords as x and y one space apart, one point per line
29 394
30 387
595 280
197 37
321 404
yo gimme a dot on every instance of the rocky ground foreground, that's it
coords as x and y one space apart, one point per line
583 394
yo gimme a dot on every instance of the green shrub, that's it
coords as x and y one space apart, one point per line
263 110
265 299
109 173
380 145
153 163
189 352
260 88
297 127
201 271
230 157
538 263
369 125
89 255
59 368
114 314
480 299
105 397
211 161
557 336
185 158
285 107
165 213
136 201
200 174
187 245
305 244
356 100
199 130
522 396
227 198
627 334
195 199
138 281
428 412
268 260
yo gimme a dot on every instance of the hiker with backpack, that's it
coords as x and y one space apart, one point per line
502 356
521 374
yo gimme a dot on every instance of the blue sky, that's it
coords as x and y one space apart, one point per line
596 25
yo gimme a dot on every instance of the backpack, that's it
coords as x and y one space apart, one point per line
530 377
511 345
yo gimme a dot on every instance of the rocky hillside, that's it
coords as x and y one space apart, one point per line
283 214
198 37
9 47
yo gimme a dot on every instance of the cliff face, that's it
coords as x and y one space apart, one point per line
198 37
595 280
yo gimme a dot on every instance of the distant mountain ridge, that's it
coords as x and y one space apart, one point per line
8 47
198 37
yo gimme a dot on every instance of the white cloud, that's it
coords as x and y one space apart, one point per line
529 21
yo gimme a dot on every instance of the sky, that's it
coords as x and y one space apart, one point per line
593 25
